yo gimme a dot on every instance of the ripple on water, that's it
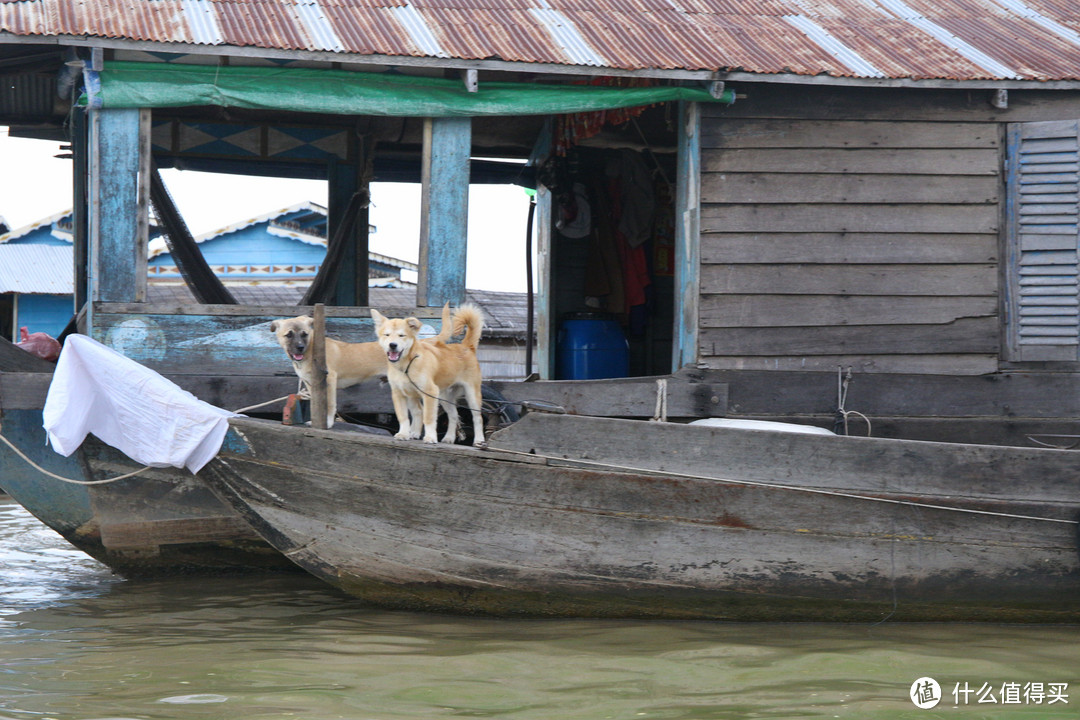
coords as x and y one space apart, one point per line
78 643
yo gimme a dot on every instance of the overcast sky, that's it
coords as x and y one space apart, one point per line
34 185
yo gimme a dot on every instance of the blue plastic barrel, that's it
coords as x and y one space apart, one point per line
592 345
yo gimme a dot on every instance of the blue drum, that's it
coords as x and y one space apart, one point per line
592 345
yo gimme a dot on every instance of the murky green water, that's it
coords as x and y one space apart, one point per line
77 643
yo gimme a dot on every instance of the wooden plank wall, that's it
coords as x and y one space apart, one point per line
834 238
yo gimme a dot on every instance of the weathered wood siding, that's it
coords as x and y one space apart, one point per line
849 237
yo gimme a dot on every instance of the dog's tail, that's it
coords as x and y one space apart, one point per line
469 318
446 331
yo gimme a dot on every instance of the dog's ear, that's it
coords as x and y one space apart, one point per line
414 324
273 327
377 317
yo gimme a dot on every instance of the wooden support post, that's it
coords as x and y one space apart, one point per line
687 237
80 210
444 211
318 361
117 249
545 323
345 180
545 330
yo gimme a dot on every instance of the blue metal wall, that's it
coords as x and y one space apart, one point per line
44 313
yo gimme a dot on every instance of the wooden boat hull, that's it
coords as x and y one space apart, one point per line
163 521
519 531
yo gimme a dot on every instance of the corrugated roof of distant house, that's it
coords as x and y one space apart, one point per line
33 269
505 313
160 247
968 40
8 236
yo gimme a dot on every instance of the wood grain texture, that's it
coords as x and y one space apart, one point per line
967 335
841 248
444 210
729 310
553 530
861 236
117 250
883 279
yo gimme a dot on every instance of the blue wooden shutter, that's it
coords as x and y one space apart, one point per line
1043 313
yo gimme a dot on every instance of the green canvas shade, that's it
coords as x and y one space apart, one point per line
341 92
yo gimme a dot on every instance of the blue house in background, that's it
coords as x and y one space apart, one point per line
36 269
280 249
276 255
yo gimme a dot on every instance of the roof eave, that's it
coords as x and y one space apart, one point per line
925 83
390 61
379 60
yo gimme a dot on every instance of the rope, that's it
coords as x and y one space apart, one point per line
627 468
268 402
660 415
125 476
69 480
499 404
777 486
842 383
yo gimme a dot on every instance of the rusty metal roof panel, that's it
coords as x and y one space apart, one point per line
893 39
508 34
1017 43
261 24
369 31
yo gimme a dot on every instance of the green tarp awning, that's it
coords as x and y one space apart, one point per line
341 92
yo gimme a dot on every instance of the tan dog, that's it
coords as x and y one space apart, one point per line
424 375
347 364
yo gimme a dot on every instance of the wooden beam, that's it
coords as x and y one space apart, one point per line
545 329
964 335
80 209
117 252
351 287
319 400
687 237
444 211
885 279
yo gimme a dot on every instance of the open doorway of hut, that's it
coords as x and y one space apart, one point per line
612 260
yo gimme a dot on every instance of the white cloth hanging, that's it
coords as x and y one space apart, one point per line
130 407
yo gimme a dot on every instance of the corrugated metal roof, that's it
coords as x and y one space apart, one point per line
893 39
33 269
505 313
16 233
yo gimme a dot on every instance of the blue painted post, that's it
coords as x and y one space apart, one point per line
444 211
118 205
545 331
687 236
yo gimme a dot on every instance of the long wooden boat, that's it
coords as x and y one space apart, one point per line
161 521
584 516
164 521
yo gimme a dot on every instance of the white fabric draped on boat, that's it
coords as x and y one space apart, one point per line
129 406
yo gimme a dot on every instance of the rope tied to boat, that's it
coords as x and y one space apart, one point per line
61 478
104 481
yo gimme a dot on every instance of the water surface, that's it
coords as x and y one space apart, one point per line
78 643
